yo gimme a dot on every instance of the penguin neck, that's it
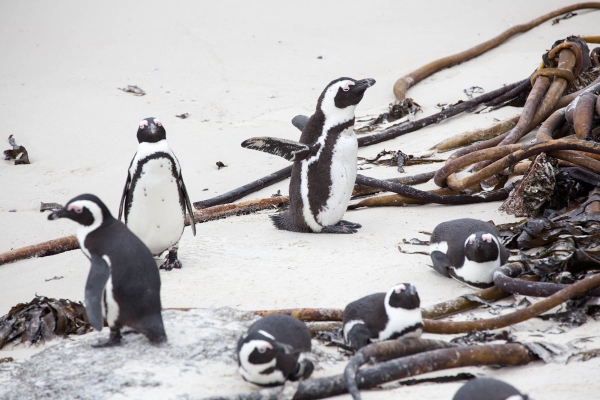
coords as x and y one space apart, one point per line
399 319
255 372
475 273
84 230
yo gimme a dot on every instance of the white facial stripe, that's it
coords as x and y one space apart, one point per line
252 372
349 325
266 334
470 239
82 230
441 246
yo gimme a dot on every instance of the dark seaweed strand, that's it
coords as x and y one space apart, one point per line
427 197
245 190
511 94
435 118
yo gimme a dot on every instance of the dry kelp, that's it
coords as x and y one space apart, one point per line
133 89
17 153
43 319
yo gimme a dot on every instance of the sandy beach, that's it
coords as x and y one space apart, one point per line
243 70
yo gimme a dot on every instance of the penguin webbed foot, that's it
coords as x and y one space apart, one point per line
349 224
304 369
114 339
341 228
171 261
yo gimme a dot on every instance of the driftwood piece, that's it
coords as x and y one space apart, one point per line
574 290
476 135
402 85
397 200
44 249
436 360
384 351
361 190
242 208
245 190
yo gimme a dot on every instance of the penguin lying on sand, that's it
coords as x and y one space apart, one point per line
324 160
268 354
488 389
155 199
123 284
468 250
383 316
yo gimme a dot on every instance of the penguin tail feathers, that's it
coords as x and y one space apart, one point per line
281 221
154 329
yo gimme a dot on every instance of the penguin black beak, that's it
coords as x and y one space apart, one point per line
363 84
58 214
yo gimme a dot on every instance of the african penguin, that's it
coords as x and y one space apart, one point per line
383 316
123 284
468 250
488 389
155 199
324 168
269 353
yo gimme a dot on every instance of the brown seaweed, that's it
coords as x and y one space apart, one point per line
17 153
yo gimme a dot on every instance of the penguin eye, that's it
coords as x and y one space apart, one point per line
487 238
157 122
346 86
262 349
78 210
345 89
400 288
143 124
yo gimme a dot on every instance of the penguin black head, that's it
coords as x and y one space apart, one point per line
489 389
481 247
343 93
403 295
86 209
151 130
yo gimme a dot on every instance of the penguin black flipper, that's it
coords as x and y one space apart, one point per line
299 121
288 149
94 288
441 263
122 205
188 204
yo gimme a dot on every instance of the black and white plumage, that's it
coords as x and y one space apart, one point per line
488 389
468 250
154 198
383 316
271 351
324 169
123 284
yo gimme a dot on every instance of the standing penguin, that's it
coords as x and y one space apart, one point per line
468 250
324 169
268 354
383 316
155 199
488 389
123 284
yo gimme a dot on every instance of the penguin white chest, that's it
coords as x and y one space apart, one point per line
156 215
343 177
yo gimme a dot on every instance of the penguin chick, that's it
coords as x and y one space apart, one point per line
154 198
269 353
488 389
324 169
383 316
123 284
468 250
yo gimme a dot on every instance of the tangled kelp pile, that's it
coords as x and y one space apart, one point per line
43 319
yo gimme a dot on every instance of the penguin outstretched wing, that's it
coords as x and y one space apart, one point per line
188 203
94 288
122 205
441 263
288 149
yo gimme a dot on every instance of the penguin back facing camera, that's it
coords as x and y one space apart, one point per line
488 389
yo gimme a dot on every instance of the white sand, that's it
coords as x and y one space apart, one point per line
244 71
